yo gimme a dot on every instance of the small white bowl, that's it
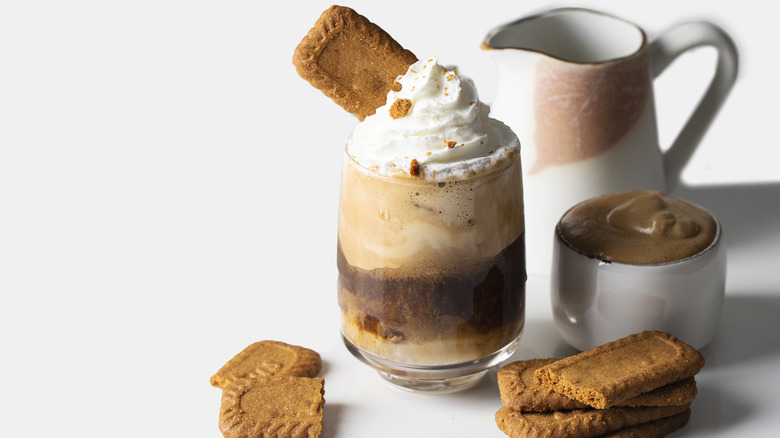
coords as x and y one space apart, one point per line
595 302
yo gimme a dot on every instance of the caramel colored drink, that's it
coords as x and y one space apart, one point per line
431 249
431 272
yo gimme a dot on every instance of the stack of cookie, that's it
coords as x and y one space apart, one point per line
638 386
269 390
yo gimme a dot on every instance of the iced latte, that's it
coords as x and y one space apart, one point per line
431 234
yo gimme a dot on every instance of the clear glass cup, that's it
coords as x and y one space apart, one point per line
431 273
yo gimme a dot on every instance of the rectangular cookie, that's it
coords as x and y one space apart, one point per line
351 60
268 358
272 407
619 370
654 429
520 391
578 423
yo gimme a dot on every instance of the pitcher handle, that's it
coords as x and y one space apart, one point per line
662 52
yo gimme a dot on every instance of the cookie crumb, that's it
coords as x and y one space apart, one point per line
400 108
414 167
450 144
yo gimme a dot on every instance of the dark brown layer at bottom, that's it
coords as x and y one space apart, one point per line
391 306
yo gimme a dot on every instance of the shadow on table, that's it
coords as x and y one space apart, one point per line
748 330
332 413
750 217
711 399
748 213
747 334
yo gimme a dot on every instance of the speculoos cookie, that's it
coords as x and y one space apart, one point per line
272 407
268 358
619 370
520 391
578 423
351 60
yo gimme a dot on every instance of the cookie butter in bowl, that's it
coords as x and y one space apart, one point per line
635 261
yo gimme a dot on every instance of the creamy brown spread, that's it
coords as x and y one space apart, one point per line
638 227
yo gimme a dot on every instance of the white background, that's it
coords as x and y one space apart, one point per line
168 195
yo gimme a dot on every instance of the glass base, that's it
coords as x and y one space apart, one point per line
433 379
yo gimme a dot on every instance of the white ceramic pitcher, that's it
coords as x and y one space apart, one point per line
577 87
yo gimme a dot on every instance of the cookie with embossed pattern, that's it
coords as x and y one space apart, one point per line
654 429
351 60
578 423
521 392
272 407
618 370
269 358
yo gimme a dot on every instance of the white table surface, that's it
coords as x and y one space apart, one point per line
168 195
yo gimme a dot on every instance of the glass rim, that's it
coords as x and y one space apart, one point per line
404 178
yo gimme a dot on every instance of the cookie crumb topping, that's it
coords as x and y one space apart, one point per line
414 167
400 108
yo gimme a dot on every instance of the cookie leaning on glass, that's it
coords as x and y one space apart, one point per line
351 60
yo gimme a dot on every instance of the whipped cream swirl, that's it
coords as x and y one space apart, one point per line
446 130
